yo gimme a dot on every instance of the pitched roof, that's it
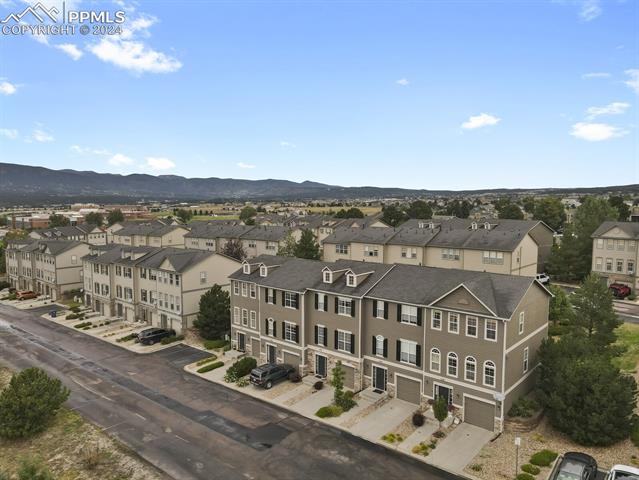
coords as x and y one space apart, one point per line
218 231
181 259
630 228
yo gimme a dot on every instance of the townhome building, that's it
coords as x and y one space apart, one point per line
615 254
513 247
47 267
415 333
159 286
148 225
153 234
84 232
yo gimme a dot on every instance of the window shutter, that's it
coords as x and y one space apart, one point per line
335 339
316 334
283 330
297 334
325 337
353 307
385 310
352 343
374 345
265 326
326 303
274 297
419 316
283 297
274 328
374 308
418 354
399 312
399 350
385 348
316 302
336 305
297 301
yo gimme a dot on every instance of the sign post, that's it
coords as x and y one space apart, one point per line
517 444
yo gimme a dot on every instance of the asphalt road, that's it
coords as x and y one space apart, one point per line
187 427
628 313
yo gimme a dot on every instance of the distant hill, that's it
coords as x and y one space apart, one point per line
22 184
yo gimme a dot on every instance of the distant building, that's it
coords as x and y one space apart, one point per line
614 252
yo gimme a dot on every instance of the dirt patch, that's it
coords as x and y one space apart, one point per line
74 449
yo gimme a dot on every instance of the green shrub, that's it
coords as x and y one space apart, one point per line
171 339
524 476
632 296
532 469
523 407
557 330
240 369
127 338
209 367
4 284
634 435
242 382
329 411
207 360
227 347
33 469
29 403
82 325
393 438
72 316
75 309
543 458
4 475
345 400
214 344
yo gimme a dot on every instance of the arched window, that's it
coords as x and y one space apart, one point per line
489 374
452 364
435 360
470 369
379 345
271 327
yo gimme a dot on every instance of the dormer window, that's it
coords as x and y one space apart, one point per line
351 280
328 277
486 226
246 268
421 225
473 226
263 271
431 225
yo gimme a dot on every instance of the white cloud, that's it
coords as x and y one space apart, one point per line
245 165
7 88
596 75
590 9
402 81
615 108
119 160
285 144
633 81
42 136
70 49
159 163
134 56
140 24
596 132
481 120
87 150
10 133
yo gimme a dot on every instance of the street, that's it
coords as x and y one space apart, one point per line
627 312
187 427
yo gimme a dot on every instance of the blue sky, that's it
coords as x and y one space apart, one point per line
436 95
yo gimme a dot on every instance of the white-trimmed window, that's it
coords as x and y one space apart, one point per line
599 263
631 267
450 254
493 258
379 346
270 296
253 319
600 243
435 360
290 300
341 248
409 314
246 268
344 306
328 277
451 367
409 252
244 289
252 290
436 320
321 305
522 322
608 264
453 322
263 271
351 280
203 279
270 327
371 250
245 317
408 352
236 315
471 327
290 332
525 369
321 335
619 265
490 330
379 313
344 341
470 369
489 374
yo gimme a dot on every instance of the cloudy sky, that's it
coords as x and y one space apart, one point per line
432 94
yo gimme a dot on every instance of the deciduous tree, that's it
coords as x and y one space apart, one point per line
419 209
56 220
115 216
234 249
393 215
247 212
550 210
621 207
94 218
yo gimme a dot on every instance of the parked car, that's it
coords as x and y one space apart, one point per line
270 373
575 466
619 290
26 295
623 472
543 278
152 335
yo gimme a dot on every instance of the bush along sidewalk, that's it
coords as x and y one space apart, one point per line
343 401
210 366
240 369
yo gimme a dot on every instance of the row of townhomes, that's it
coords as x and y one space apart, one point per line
256 240
155 233
47 267
514 247
85 232
159 286
414 332
615 254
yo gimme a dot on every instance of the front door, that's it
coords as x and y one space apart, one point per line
379 378
321 366
271 354
241 342
164 322
119 309
447 393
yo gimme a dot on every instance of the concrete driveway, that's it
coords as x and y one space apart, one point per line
458 449
383 420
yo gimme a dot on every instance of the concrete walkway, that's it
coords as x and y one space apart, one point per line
421 434
460 446
383 420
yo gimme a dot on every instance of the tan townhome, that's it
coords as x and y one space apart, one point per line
614 252
151 234
416 333
84 232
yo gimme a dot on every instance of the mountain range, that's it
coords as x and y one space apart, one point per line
23 184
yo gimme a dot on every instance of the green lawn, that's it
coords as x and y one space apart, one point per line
213 217
628 336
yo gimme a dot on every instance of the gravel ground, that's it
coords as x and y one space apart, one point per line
497 458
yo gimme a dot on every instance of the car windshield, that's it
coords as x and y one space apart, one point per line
570 471
625 476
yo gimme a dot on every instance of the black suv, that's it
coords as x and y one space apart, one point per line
575 465
149 336
269 373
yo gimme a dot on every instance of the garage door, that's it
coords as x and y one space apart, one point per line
292 359
407 389
255 347
479 413
349 377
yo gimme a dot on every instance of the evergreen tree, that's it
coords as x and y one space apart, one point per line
393 215
509 210
561 310
214 320
288 249
550 210
234 249
58 221
307 246
594 312
94 218
184 214
352 212
623 210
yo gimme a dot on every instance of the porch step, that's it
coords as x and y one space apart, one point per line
311 379
373 395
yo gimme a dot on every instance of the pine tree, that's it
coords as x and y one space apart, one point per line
307 246
594 312
214 320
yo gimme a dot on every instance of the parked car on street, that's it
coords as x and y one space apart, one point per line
267 375
543 278
619 290
623 472
575 466
26 295
152 335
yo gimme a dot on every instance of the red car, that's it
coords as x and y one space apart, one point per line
619 290
26 295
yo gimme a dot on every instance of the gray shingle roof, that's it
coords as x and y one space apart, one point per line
630 228
180 259
218 231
